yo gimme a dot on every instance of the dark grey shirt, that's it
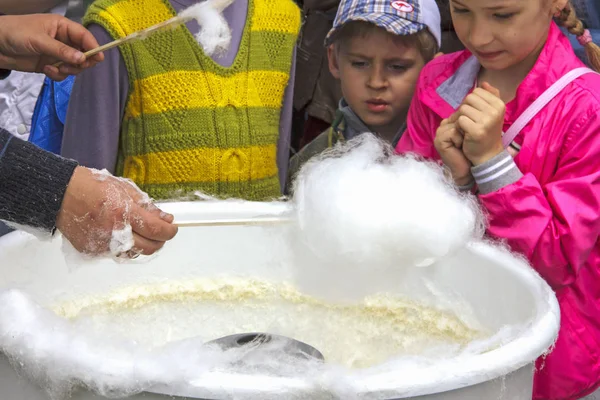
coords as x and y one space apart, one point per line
100 94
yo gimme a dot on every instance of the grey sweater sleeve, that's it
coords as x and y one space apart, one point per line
496 173
32 183
96 107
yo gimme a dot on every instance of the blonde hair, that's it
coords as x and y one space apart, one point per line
422 40
569 20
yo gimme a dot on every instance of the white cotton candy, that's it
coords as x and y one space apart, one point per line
119 193
121 240
60 355
40 234
73 258
101 175
203 196
365 214
214 35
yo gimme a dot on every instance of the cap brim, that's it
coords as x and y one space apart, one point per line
393 24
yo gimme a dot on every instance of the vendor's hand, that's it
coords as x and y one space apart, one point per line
448 143
480 118
94 205
32 43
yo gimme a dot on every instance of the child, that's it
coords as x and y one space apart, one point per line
472 110
376 49
174 120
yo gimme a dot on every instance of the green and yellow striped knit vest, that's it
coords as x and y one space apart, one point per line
191 124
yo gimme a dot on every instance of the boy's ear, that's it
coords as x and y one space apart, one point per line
332 56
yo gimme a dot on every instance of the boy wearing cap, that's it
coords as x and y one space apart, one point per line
376 49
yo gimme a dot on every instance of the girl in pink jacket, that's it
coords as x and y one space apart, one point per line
516 119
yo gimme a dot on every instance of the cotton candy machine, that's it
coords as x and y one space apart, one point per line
467 327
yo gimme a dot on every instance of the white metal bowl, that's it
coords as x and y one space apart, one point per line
502 290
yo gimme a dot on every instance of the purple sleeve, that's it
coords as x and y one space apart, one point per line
96 107
285 127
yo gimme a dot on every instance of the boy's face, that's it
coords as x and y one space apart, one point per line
378 73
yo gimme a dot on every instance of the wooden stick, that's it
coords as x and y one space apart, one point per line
173 22
235 222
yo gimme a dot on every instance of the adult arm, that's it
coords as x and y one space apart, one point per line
41 190
32 183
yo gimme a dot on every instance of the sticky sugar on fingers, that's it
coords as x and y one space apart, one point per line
103 214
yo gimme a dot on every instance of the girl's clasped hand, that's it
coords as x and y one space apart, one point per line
473 134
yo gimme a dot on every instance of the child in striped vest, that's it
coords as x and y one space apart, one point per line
174 120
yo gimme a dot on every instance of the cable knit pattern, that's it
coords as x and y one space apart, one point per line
191 124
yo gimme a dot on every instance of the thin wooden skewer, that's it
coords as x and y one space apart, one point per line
235 222
173 22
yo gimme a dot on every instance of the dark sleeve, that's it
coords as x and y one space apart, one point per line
320 5
96 107
32 183
285 126
315 147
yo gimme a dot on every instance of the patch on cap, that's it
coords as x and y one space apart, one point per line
403 6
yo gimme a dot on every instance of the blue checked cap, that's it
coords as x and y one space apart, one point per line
400 18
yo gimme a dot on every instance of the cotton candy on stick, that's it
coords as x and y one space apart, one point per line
214 35
364 215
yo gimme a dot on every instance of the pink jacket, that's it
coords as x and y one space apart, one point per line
546 202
